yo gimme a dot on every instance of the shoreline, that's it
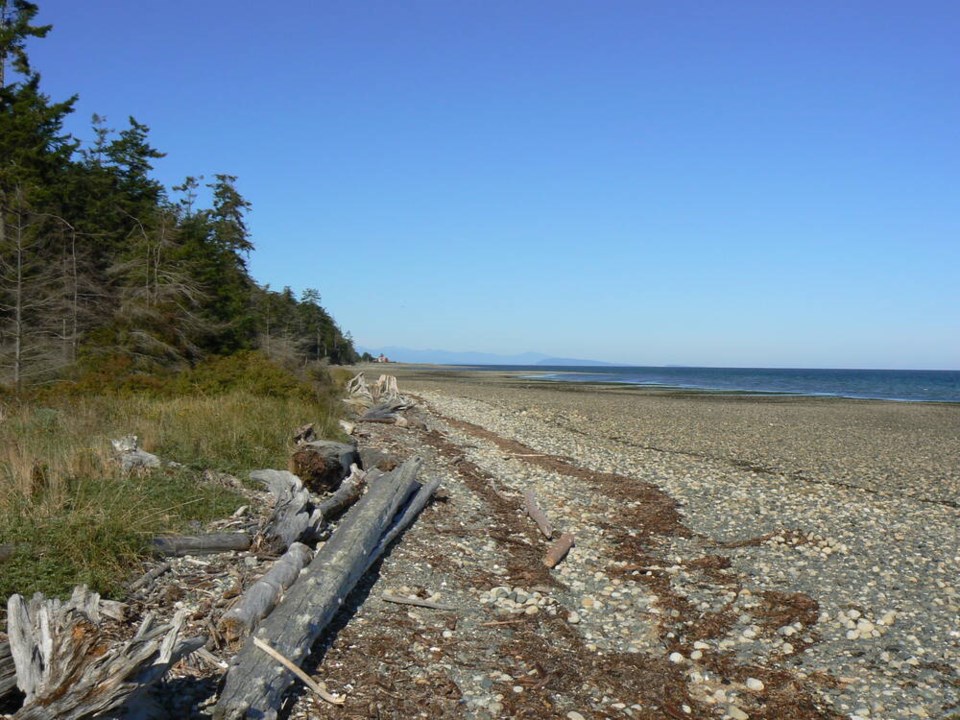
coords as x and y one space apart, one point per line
531 377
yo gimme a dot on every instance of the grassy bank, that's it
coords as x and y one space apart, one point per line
74 517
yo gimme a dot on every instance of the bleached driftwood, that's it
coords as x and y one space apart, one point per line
292 509
67 669
357 387
296 516
254 684
323 464
201 544
385 389
346 495
558 551
536 514
385 412
262 597
131 456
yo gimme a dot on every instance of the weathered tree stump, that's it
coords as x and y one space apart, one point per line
67 670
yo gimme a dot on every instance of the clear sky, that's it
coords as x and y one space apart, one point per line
742 183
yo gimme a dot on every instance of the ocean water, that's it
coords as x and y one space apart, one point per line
901 385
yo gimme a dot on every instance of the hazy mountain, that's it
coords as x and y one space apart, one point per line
448 357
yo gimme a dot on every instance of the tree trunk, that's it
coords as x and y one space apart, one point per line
254 684
201 544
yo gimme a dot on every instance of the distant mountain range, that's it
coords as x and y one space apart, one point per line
448 357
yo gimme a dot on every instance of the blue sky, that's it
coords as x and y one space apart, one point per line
670 182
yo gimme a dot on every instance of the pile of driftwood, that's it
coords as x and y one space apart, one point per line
65 667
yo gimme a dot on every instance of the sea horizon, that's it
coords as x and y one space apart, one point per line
860 384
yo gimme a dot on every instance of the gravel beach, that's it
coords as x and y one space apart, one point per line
818 536
733 558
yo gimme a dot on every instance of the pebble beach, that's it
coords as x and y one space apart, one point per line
847 508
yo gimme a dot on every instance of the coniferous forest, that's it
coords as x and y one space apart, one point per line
102 266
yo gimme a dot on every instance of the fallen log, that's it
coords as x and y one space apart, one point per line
201 544
536 514
66 668
263 596
385 412
323 464
558 551
346 495
254 684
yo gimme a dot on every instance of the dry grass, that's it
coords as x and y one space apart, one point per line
74 517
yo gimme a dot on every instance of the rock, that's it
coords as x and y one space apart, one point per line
574 715
736 713
755 684
573 618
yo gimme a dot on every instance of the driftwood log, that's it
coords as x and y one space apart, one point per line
385 412
558 551
536 514
261 597
295 516
67 669
292 511
201 544
255 683
323 464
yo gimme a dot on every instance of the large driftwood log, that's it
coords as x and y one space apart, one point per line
8 671
67 670
254 683
536 514
323 464
385 412
201 544
261 597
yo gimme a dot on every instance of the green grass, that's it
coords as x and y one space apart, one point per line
76 518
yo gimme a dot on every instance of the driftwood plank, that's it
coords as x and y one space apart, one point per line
254 683
201 544
261 597
536 514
